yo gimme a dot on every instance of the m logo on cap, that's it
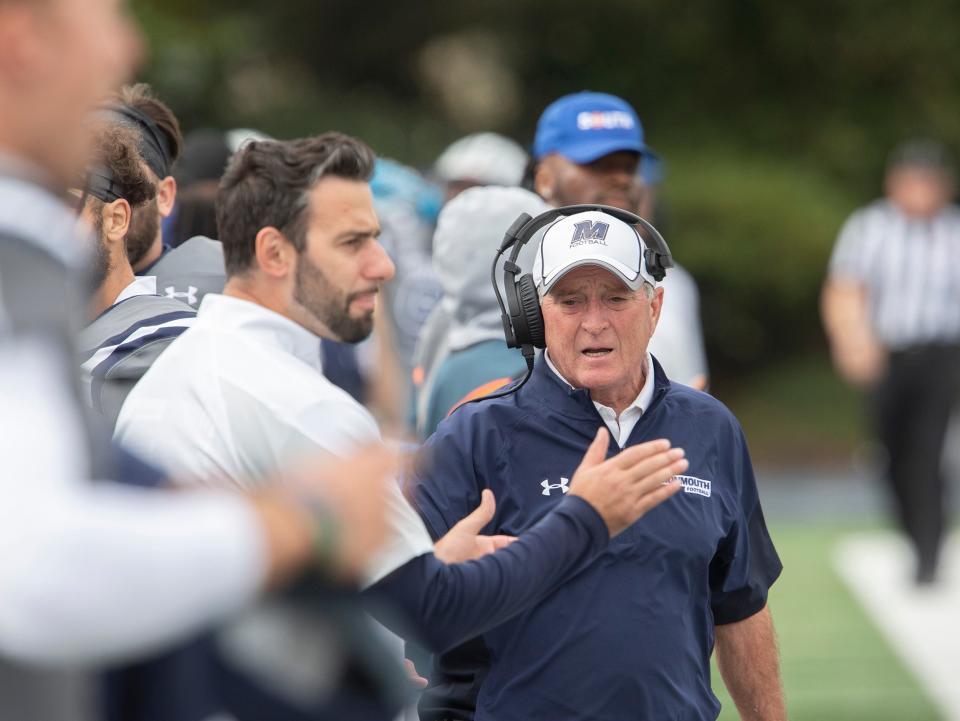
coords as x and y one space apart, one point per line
589 231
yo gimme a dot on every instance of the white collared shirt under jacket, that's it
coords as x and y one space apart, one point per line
621 426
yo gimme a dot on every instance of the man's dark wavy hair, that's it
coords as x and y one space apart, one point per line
115 150
267 182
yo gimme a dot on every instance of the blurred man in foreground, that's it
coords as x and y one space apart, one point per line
90 571
891 308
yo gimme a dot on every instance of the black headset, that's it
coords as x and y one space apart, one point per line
522 318
521 315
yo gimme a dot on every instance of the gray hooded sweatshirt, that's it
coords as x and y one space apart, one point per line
469 231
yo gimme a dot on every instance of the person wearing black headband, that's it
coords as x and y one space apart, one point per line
185 271
159 143
114 184
130 324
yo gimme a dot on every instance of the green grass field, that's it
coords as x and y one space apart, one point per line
836 665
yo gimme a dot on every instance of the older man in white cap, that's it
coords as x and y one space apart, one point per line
631 636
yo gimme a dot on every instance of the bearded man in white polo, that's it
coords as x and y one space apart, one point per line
631 636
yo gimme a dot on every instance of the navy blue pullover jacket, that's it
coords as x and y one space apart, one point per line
630 636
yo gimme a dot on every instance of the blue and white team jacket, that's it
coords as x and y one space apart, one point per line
121 344
629 637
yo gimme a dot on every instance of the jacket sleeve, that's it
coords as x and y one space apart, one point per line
442 605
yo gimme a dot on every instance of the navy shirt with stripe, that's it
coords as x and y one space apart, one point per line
629 637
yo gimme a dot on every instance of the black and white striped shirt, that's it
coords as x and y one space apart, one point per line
911 270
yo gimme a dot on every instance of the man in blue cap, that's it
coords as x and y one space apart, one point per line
587 150
590 148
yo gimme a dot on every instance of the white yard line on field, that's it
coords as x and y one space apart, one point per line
922 624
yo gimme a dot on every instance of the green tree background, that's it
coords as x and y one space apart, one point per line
773 120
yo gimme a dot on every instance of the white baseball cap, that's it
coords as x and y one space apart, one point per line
484 158
590 238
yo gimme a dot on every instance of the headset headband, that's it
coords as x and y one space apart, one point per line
657 259
522 320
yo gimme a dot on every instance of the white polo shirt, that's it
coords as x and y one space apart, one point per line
241 395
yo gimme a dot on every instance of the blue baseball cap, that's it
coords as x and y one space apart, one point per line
583 127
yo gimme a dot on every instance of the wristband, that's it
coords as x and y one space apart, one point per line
326 533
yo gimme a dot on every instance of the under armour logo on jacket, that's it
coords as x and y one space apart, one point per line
563 485
190 296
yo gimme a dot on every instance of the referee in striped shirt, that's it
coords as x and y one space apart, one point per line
891 308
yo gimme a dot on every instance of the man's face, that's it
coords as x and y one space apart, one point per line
60 58
597 330
919 192
341 269
610 180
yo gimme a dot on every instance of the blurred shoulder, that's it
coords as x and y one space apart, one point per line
878 208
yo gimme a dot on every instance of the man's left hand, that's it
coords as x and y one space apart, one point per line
463 542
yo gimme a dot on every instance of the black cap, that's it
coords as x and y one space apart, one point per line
921 153
205 156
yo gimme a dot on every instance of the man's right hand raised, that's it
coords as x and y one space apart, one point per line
623 488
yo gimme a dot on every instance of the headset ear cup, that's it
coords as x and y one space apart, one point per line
530 308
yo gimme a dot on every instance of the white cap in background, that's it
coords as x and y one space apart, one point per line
483 159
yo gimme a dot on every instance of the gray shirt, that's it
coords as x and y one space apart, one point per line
121 344
190 271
